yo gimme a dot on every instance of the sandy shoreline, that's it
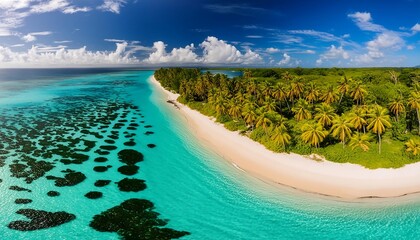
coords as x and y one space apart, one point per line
349 181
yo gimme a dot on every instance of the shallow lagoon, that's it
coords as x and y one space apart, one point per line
196 190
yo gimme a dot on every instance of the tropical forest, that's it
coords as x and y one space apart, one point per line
366 116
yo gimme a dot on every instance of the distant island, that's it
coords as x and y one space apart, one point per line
366 116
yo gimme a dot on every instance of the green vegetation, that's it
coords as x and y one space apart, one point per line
367 116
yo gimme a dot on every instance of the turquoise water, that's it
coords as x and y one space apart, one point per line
192 187
228 73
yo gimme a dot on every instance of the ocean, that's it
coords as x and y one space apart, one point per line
79 133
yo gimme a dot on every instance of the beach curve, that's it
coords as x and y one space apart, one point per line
344 180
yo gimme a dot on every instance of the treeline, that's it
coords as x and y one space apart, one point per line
302 110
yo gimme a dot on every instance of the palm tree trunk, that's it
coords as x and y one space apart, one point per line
343 143
341 98
418 119
379 136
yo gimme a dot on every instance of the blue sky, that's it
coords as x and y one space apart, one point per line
66 33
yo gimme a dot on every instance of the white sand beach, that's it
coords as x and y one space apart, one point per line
347 180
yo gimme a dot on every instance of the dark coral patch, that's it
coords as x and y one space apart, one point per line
130 156
134 218
23 201
148 126
19 189
40 220
102 183
71 178
149 133
100 159
53 194
131 185
151 145
93 195
100 168
128 170
130 143
108 147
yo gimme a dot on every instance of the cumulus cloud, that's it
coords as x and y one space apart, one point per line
333 53
272 50
50 6
214 51
177 55
30 37
218 52
61 56
72 9
285 60
14 4
416 28
113 6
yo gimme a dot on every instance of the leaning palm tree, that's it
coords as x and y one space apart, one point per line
301 110
269 104
379 121
341 128
359 140
344 87
413 147
397 107
313 134
234 109
325 114
281 137
414 103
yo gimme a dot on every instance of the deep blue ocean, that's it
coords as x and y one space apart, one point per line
79 133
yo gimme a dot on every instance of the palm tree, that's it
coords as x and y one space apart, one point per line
313 134
296 88
357 119
247 74
280 94
358 92
330 95
281 137
344 87
325 114
414 103
301 110
250 116
269 104
235 109
263 120
341 128
287 76
393 76
361 141
220 106
413 147
379 121
312 94
397 107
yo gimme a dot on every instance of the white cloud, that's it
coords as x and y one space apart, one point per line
113 6
333 53
113 40
285 60
14 4
60 56
310 52
30 37
254 36
386 40
416 28
364 21
410 47
177 55
50 6
61 42
218 51
272 50
72 9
